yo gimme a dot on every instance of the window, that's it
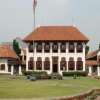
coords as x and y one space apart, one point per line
39 47
47 64
55 48
79 64
79 47
39 63
63 64
63 47
31 64
71 48
71 63
47 48
30 47
2 67
9 68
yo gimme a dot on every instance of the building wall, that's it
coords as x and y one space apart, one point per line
5 62
67 55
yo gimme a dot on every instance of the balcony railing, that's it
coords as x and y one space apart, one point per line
55 48
71 48
79 48
39 48
47 48
63 48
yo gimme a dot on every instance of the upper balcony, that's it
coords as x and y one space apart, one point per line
56 47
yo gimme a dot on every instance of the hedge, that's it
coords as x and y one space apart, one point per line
75 73
38 75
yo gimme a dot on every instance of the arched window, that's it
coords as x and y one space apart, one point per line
31 64
71 63
47 64
47 47
63 47
63 64
30 47
39 47
71 48
2 67
39 63
79 64
79 47
55 47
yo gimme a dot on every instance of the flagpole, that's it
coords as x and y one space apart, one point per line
34 17
34 11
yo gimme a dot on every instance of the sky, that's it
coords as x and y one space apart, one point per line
16 17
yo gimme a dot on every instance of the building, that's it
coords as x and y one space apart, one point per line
7 60
93 63
55 49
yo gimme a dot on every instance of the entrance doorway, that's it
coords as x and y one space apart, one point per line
55 68
55 64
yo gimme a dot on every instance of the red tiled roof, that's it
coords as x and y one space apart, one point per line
92 54
91 62
69 33
7 52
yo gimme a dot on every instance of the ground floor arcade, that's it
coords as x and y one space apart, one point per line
55 65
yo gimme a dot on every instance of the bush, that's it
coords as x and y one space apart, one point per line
27 73
76 73
38 75
56 76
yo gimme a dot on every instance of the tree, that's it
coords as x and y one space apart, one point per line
87 48
16 47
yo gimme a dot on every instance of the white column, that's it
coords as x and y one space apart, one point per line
59 44
75 65
20 70
50 65
34 64
51 47
59 66
98 71
12 70
67 47
67 66
75 45
90 71
27 58
84 48
84 66
35 48
43 64
43 44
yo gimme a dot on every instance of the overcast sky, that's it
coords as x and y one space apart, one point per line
16 17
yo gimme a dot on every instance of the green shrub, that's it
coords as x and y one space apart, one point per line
75 73
38 75
27 73
56 76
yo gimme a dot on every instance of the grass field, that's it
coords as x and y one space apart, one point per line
19 87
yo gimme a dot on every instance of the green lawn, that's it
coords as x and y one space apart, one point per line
22 88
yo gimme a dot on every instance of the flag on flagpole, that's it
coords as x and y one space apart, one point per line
34 3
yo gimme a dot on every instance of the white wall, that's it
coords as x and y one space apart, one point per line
67 55
4 61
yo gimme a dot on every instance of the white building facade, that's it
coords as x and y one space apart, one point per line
8 61
56 50
93 63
